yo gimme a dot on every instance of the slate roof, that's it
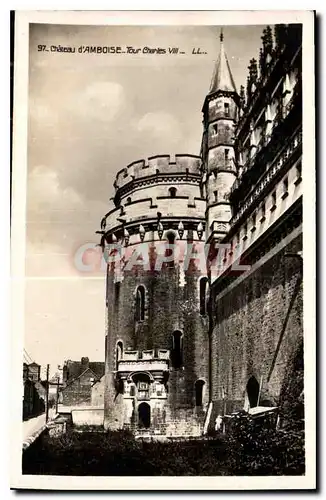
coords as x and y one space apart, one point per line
76 368
222 77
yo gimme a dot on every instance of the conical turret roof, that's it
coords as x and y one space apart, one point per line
222 77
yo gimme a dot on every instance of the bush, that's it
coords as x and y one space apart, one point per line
257 448
248 449
118 453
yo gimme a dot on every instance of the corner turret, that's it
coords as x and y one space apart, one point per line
221 111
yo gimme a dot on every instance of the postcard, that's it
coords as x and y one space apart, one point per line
163 243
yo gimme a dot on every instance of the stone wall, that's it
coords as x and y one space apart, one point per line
87 416
97 393
258 325
172 304
79 391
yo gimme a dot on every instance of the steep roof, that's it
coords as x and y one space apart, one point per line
76 368
222 77
98 367
87 369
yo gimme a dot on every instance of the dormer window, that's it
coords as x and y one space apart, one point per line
273 207
285 188
262 212
253 223
298 174
245 232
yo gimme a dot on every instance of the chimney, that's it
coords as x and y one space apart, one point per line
85 362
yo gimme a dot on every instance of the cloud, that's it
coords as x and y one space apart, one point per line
160 125
103 100
45 192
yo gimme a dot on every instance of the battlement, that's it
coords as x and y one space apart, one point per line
156 165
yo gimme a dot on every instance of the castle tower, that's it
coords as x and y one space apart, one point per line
157 322
220 114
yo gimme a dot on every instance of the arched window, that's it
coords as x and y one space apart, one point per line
253 391
140 303
199 390
128 200
118 353
176 351
173 192
203 283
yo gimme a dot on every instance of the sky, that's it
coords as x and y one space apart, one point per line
90 115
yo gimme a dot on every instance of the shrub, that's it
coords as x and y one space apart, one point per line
257 448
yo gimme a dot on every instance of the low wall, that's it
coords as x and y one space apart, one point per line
87 416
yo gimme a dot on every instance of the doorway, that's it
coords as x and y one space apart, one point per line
144 415
253 392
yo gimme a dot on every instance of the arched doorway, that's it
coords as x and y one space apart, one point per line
253 391
144 415
199 389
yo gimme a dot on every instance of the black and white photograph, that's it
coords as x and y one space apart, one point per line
163 187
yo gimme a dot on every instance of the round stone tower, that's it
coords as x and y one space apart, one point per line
157 324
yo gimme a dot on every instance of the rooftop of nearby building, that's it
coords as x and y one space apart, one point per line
72 369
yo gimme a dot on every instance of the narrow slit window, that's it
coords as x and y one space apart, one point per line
226 109
119 353
176 351
203 283
140 303
169 252
273 201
